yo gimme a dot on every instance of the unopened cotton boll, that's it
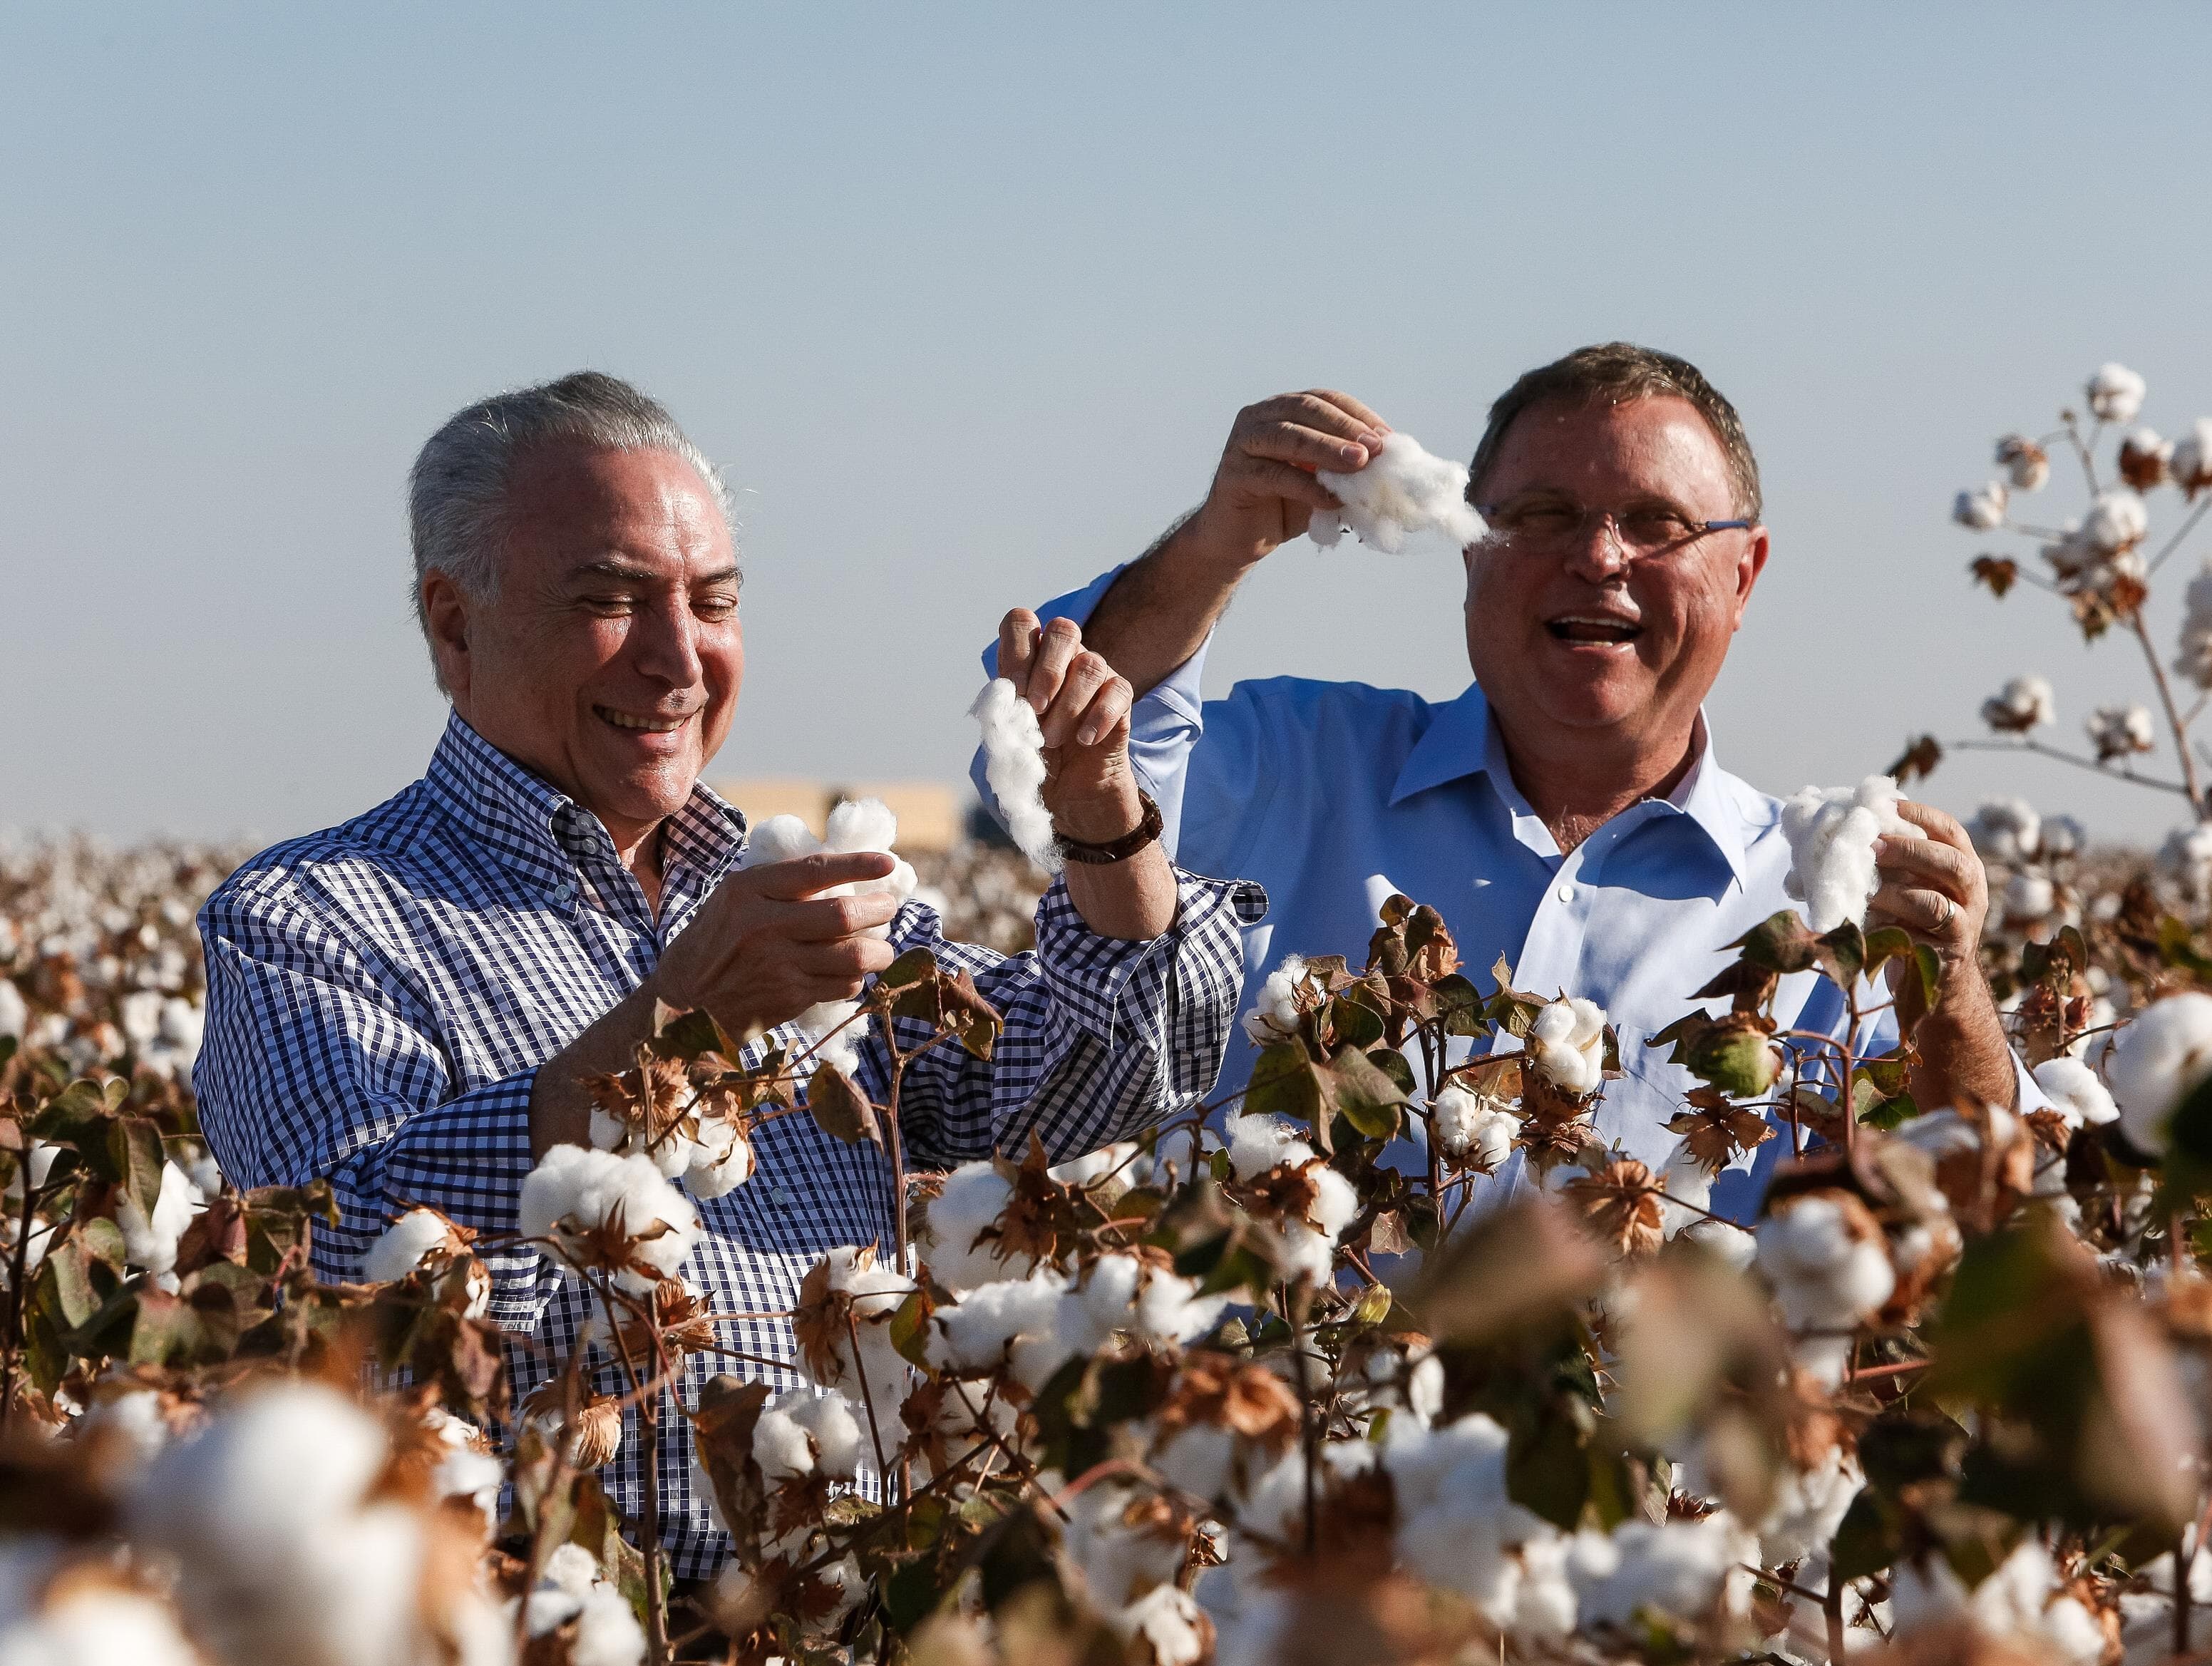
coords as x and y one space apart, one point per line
1013 765
2115 393
1403 490
2191 465
1566 1042
2075 1091
1981 508
2163 1053
2024 704
1833 832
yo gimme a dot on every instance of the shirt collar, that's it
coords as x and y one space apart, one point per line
1463 740
533 828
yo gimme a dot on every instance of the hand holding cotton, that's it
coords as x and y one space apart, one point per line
1403 490
1013 763
1831 833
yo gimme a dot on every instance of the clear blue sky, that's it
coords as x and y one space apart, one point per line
964 300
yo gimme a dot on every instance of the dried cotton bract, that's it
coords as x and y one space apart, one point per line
1014 764
1403 490
1831 833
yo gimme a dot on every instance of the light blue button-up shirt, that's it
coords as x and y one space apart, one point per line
1333 795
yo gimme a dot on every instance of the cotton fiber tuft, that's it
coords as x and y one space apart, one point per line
1013 763
1403 490
1831 833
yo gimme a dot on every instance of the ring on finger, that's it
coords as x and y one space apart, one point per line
1950 912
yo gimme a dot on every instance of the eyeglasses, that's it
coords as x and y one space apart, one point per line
1554 526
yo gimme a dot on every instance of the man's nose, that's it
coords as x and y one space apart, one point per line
1597 552
666 646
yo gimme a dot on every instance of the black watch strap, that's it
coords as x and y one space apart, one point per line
1120 849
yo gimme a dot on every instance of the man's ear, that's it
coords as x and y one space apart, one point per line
446 611
1748 567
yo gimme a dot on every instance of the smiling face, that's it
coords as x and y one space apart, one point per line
610 659
1579 650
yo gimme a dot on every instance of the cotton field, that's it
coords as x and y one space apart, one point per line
1385 1358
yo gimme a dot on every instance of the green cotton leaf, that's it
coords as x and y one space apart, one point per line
1930 967
1886 943
1547 1469
1846 957
691 1035
913 967
1781 943
910 1327
1366 1096
78 1118
1459 1004
839 1109
1354 1023
1286 1082
1867 1539
65 1287
134 1148
2177 946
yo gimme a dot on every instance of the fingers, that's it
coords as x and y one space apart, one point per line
827 967
804 876
1263 476
1317 429
1936 824
1924 914
1927 863
1058 645
1018 641
831 919
1108 713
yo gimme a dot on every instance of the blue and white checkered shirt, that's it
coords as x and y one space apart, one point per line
381 995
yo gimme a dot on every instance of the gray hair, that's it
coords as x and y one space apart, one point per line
456 490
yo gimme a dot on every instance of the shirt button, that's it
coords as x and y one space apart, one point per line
1566 893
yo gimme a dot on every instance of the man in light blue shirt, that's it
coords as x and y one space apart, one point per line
1569 810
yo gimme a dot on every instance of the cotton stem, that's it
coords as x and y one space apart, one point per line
2172 713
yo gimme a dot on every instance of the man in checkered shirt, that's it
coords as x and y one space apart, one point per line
407 1005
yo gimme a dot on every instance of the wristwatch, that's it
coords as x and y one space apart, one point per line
1120 849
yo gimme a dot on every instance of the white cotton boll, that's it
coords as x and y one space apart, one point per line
1566 1042
1104 1303
720 1163
607 1631
1257 1144
15 1010
2027 464
1981 508
2029 897
2186 855
1472 1129
1689 1186
1013 765
1403 490
861 824
1275 1014
1116 1561
573 1184
152 1242
781 1446
1723 1238
1831 833
2005 831
2024 704
1335 1201
2063 836
1686 1569
137 1420
974 1196
976 1332
2120 731
2118 520
1197 1460
400 1248
837 1434
1171 1310
1825 1274
2157 1059
141 1016
1169 1622
1304 1253
2115 393
95 1624
465 1473
2191 461
2195 661
2075 1091
1093 1166
1809 1504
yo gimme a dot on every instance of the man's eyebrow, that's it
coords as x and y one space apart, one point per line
624 572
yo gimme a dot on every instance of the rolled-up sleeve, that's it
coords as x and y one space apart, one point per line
1104 1036
311 1068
